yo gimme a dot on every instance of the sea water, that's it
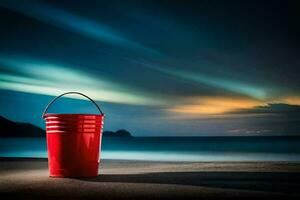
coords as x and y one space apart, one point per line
173 149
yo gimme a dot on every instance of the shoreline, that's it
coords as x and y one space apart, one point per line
226 166
155 161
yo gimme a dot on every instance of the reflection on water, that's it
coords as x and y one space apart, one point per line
172 149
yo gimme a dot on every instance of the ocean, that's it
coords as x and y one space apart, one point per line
187 149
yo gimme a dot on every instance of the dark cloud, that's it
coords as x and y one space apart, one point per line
273 108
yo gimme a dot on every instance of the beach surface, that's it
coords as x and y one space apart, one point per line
124 179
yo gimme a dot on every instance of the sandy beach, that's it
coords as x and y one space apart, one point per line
121 179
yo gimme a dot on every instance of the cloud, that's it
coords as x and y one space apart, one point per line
77 24
272 108
212 106
292 100
40 77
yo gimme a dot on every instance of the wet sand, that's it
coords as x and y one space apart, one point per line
121 179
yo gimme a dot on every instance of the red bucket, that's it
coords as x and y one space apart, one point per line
74 142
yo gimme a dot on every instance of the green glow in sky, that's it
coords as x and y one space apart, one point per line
228 85
49 79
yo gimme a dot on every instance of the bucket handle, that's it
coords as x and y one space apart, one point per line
48 106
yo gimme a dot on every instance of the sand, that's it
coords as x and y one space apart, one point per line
121 179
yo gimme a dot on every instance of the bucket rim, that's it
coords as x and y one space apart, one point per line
70 115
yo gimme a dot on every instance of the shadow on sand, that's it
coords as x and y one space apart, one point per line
284 182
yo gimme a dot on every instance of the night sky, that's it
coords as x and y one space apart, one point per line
156 68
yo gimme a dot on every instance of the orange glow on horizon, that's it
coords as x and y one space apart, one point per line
216 105
292 100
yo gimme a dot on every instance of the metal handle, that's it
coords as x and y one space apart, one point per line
47 107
